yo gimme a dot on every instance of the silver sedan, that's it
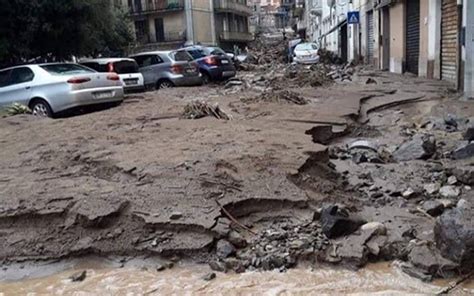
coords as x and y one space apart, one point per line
51 88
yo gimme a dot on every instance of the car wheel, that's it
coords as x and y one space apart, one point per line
41 108
163 84
206 79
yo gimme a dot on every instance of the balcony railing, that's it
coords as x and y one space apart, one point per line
150 6
232 6
236 36
168 37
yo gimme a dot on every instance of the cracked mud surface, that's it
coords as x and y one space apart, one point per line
137 179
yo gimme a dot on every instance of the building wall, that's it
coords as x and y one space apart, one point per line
397 38
424 35
202 15
468 52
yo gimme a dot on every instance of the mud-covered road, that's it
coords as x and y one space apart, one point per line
140 180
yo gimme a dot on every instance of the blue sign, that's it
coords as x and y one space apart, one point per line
353 17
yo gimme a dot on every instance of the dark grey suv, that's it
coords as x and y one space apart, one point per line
214 63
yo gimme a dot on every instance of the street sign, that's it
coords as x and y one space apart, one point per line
353 17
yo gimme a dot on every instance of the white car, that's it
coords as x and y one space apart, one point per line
51 88
126 68
306 53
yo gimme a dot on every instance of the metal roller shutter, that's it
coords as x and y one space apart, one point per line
449 39
370 37
413 36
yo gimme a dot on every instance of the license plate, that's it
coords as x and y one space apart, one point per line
131 81
103 95
225 61
190 71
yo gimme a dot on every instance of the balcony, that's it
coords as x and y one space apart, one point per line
232 6
236 36
140 7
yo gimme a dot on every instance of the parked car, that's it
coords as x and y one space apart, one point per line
214 63
51 88
164 69
127 69
306 53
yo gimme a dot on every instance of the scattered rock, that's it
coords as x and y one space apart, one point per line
217 266
409 193
160 267
433 207
421 146
464 174
78 277
469 134
430 261
370 80
377 228
454 234
463 151
237 240
176 215
452 180
432 188
449 191
209 276
322 134
224 249
234 264
447 203
336 221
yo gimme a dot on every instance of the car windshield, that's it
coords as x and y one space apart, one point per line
66 69
306 46
197 53
181 56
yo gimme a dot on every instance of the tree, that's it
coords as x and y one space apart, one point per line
59 29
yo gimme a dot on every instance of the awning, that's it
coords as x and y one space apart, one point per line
341 23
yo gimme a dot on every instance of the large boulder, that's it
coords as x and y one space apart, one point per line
463 151
337 221
469 134
421 146
454 234
465 174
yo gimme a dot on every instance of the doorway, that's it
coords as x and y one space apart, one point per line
159 30
386 38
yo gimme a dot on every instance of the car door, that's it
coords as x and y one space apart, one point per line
17 87
148 67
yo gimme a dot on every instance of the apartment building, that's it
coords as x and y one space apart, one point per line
429 38
166 24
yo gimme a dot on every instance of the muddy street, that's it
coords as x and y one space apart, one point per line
374 168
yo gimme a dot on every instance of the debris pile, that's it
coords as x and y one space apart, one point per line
283 96
200 109
17 108
279 246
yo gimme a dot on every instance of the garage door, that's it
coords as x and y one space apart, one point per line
413 36
370 37
449 39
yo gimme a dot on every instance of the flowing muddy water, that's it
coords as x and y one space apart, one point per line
102 279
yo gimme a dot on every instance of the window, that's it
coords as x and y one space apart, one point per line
125 67
197 53
96 66
21 75
147 60
66 69
181 56
4 78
